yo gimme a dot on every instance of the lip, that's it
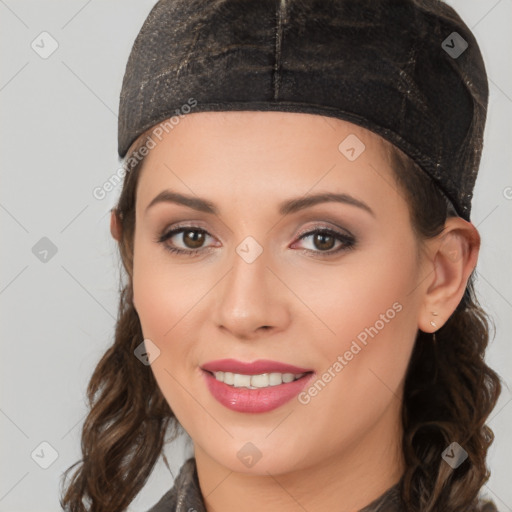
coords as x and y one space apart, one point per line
254 400
255 368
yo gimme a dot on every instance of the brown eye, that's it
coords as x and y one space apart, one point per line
323 241
187 240
193 239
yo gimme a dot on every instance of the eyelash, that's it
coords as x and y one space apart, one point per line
348 242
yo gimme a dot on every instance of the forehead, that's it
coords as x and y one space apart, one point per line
261 125
263 154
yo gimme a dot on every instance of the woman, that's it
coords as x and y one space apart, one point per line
295 230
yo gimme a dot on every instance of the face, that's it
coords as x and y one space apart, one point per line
330 287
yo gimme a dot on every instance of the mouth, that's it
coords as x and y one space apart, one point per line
257 387
257 381
258 367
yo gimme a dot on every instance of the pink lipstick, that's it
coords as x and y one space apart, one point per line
256 387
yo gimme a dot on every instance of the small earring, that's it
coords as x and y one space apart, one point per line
433 324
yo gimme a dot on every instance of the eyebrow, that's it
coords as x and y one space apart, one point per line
285 208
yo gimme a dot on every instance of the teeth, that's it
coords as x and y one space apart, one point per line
263 380
241 381
229 378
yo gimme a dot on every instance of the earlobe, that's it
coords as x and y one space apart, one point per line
455 257
115 227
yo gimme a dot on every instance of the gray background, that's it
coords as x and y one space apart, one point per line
58 142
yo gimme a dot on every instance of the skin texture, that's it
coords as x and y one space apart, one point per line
341 450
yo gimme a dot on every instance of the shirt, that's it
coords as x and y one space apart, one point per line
185 496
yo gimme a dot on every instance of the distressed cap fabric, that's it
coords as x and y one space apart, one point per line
409 70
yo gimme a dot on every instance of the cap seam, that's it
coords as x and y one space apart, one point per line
280 15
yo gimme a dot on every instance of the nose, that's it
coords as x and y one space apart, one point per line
252 300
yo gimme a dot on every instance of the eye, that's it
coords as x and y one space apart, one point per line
325 239
191 237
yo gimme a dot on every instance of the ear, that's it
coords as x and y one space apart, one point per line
115 225
454 256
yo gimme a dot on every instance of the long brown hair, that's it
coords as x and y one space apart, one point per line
449 390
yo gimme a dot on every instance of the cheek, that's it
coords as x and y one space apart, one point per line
172 308
368 288
164 301
162 292
151 300
371 316
365 360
